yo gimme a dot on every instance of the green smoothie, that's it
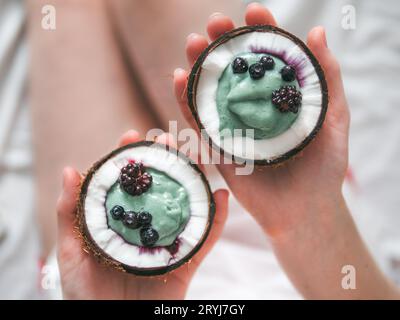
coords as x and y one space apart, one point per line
245 103
166 200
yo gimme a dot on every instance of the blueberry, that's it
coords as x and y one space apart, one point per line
148 236
131 220
256 71
117 212
267 62
144 218
239 65
288 73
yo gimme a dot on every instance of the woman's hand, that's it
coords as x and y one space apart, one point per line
82 277
285 197
299 204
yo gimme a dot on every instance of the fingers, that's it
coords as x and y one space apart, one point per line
218 24
133 136
66 204
221 198
316 41
257 14
128 137
338 110
195 44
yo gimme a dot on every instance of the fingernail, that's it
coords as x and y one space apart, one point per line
192 36
215 14
227 193
178 71
132 132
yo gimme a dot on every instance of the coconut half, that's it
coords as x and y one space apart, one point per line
227 93
177 197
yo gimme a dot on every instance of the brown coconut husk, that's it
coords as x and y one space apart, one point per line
196 73
90 246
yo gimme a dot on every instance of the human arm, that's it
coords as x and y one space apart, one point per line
299 204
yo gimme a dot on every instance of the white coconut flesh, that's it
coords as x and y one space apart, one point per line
206 91
112 243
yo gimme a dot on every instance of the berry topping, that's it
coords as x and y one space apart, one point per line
148 236
134 180
174 247
288 73
239 65
256 71
267 62
287 98
144 218
131 220
117 212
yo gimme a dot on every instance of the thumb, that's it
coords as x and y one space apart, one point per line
221 198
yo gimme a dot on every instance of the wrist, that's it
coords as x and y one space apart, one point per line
306 216
314 252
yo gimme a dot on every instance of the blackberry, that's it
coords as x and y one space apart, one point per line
117 212
288 73
131 220
267 62
134 180
144 218
239 65
148 236
286 99
256 71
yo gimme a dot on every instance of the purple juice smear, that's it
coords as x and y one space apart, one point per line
296 62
